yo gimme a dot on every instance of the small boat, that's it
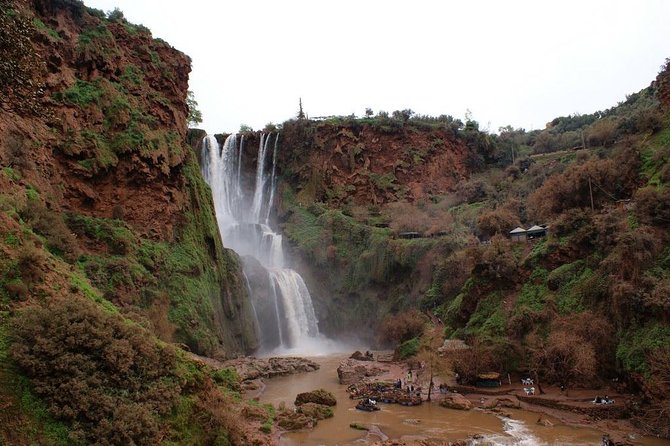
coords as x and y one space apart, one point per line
367 405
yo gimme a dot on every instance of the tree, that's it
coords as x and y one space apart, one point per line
564 358
301 113
368 112
116 15
194 115
434 363
403 115
401 327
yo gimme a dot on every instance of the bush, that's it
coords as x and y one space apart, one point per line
103 375
566 358
499 221
469 363
609 179
474 190
652 206
401 327
408 349
50 224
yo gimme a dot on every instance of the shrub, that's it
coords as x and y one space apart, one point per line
94 370
18 152
50 224
571 189
499 221
474 190
401 327
496 262
83 93
652 206
602 132
408 348
566 358
469 363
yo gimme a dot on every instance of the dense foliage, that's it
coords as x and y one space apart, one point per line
96 371
584 305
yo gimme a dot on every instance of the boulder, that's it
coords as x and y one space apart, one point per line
250 368
509 402
351 370
292 421
316 411
319 396
456 401
357 355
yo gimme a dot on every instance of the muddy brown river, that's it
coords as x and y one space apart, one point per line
426 421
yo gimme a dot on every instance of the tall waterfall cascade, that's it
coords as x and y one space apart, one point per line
286 316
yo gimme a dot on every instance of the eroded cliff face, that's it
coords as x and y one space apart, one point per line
92 145
370 164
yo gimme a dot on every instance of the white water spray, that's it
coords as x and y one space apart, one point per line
517 432
288 322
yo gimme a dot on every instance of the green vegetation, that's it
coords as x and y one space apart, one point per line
83 93
44 28
408 348
194 115
638 344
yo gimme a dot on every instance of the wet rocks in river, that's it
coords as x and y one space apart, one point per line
456 401
352 370
291 421
316 411
319 396
249 368
362 357
310 408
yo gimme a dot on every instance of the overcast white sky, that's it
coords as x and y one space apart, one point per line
510 62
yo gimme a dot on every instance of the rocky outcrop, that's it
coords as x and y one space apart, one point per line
94 120
456 401
250 368
292 421
371 163
358 356
351 370
316 411
320 396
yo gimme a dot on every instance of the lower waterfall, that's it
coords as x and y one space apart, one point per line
283 306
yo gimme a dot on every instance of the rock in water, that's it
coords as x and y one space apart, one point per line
319 396
316 411
351 371
456 401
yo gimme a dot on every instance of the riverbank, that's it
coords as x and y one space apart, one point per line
572 407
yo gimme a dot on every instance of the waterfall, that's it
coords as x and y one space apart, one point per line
284 312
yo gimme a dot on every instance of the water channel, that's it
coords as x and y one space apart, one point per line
426 421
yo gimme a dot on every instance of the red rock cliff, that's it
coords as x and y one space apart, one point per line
92 140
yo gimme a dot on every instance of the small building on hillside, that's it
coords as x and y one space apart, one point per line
518 234
536 232
489 379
